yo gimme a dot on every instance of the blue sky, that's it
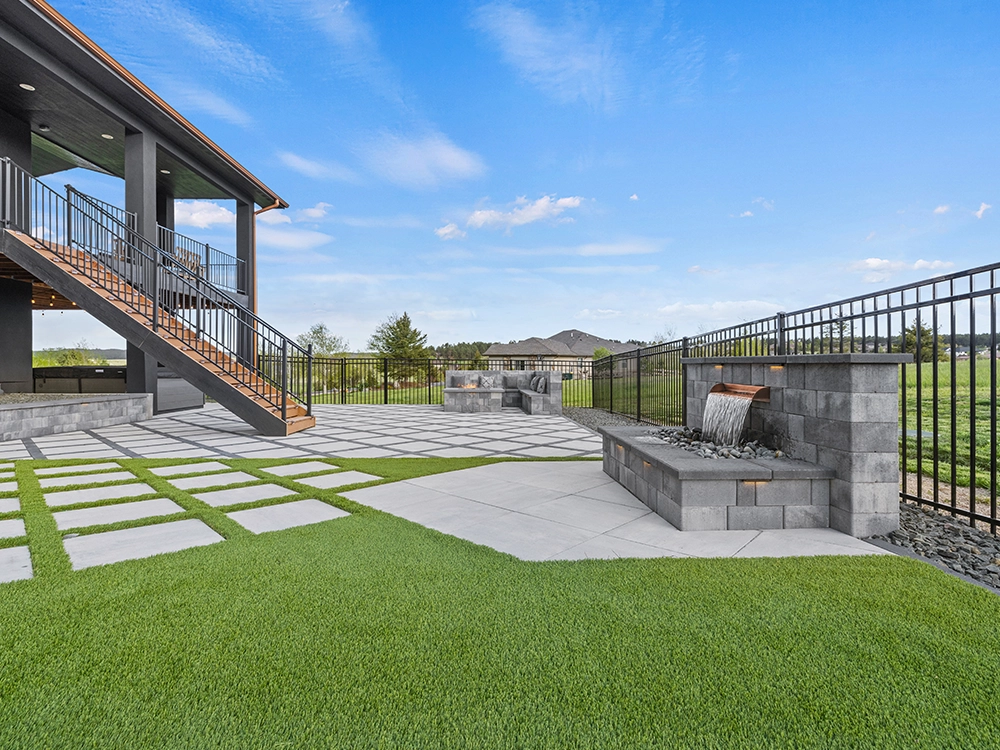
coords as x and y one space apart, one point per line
502 170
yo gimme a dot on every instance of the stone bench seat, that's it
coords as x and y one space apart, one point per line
513 394
699 494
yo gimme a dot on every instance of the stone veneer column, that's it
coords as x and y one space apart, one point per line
837 410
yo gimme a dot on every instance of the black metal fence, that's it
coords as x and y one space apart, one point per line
382 380
947 397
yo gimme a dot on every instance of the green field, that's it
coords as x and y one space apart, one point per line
984 399
575 393
371 631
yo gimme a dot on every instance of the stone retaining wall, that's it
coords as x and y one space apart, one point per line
18 421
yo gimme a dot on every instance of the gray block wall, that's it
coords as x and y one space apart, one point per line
840 411
513 394
19 421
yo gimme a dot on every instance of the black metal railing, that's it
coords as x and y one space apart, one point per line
220 268
947 396
168 295
383 380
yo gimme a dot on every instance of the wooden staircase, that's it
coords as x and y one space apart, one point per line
114 300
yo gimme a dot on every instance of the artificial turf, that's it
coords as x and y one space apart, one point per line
370 631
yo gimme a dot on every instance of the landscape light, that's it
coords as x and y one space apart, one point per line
107 136
26 86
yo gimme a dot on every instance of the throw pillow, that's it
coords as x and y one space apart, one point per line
487 381
459 381
510 382
534 383
540 388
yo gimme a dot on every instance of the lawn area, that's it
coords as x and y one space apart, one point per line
370 631
575 393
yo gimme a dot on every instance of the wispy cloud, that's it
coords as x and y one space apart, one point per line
983 208
705 271
402 221
202 214
274 217
318 211
291 239
879 270
634 197
870 237
599 270
942 210
449 232
598 314
746 214
766 204
462 314
316 169
566 61
546 208
421 163
188 96
719 313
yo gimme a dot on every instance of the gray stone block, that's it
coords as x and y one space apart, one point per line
806 517
863 525
860 467
796 427
740 518
785 492
703 519
830 433
746 493
820 493
858 407
775 376
864 497
701 494
795 376
800 401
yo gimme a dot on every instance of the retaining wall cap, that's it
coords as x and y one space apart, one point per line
805 359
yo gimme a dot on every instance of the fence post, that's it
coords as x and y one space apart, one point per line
156 291
685 353
611 384
284 379
385 380
779 344
343 380
638 385
69 218
309 382
208 261
429 381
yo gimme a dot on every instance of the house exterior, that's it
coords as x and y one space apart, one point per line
66 103
571 351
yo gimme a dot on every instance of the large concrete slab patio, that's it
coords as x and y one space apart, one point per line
571 510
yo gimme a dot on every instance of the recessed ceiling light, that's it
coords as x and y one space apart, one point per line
107 136
26 86
164 171
44 128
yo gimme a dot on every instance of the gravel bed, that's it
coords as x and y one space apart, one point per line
28 398
690 440
594 418
948 541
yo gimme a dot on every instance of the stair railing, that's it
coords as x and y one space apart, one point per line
169 296
222 270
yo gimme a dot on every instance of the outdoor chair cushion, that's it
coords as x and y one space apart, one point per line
540 385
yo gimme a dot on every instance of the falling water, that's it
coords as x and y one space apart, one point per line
725 416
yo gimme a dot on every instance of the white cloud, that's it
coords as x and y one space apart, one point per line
421 163
879 270
567 62
203 100
525 212
465 314
318 170
316 212
719 313
598 314
632 247
402 221
291 239
745 214
634 197
274 216
699 269
449 232
202 214
767 205
983 208
942 210
870 237
598 270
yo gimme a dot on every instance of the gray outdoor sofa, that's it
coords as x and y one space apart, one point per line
533 391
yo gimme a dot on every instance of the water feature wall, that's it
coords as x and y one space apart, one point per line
839 411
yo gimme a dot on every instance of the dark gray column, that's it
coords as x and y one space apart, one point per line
246 250
15 140
140 198
165 209
15 336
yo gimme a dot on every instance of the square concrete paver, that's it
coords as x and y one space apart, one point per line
15 564
9 505
293 470
238 495
344 478
196 468
71 519
114 476
12 528
212 480
97 494
286 515
132 544
8 486
83 469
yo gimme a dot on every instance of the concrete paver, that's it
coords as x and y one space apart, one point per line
84 469
103 514
192 468
9 505
212 480
132 544
11 528
237 495
344 478
97 494
15 564
113 476
292 470
286 515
